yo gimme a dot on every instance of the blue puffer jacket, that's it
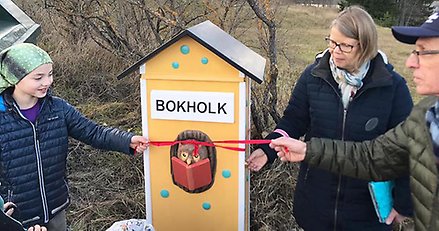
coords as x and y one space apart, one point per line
33 156
327 201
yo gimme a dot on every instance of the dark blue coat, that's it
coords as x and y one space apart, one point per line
327 201
33 156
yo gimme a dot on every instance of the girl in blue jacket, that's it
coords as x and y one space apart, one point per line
352 93
34 131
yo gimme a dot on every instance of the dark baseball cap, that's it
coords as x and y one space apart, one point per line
409 34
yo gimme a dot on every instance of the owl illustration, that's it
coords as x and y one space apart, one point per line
186 153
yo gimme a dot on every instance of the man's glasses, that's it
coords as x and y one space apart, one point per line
424 52
346 48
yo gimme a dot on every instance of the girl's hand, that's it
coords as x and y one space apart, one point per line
37 228
9 208
139 144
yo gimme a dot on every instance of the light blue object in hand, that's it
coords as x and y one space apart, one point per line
381 193
2 203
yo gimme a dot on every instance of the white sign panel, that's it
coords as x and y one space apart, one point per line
193 106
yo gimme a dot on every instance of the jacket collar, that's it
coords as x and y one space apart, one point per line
379 74
427 102
7 101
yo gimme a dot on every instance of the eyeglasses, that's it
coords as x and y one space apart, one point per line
424 52
346 48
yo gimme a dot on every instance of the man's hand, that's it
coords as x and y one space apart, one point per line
289 149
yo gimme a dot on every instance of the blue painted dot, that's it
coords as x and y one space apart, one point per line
184 49
226 173
206 205
164 193
204 60
175 65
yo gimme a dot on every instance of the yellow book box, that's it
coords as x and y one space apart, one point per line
195 93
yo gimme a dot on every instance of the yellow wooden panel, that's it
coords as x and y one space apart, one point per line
183 210
174 64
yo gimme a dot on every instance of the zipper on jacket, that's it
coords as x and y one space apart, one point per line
41 178
306 174
39 164
10 196
337 197
345 111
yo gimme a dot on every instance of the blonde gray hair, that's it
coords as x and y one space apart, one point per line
354 22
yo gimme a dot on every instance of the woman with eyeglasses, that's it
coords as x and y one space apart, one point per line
351 93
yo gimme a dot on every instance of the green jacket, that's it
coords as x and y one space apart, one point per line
406 149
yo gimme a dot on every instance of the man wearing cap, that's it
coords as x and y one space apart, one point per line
412 146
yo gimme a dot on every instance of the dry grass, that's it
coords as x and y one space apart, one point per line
107 187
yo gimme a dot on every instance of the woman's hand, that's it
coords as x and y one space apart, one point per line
394 216
256 160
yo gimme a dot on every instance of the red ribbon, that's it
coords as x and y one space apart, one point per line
197 143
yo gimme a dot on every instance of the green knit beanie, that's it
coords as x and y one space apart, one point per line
18 61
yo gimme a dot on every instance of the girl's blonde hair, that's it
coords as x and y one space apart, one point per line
354 22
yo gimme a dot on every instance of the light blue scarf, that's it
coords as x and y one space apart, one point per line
348 83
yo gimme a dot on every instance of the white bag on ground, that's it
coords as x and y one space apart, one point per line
131 225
